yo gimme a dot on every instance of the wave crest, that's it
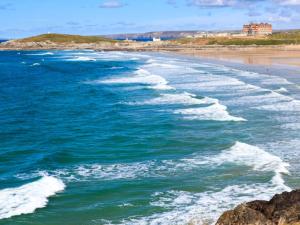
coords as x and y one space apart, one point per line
29 197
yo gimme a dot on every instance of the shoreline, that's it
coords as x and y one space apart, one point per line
286 63
283 70
273 55
258 55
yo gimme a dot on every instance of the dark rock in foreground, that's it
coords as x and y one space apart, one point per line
282 209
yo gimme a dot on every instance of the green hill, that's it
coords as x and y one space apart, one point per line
278 38
66 38
292 36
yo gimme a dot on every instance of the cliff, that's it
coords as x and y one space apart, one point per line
282 209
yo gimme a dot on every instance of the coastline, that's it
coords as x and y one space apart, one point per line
287 71
278 55
258 55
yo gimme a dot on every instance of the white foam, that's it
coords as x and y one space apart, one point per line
288 106
45 53
275 80
183 207
253 156
82 58
282 90
291 126
161 87
35 64
29 197
103 56
244 154
141 76
153 63
287 149
261 99
217 83
216 112
182 98
202 208
118 171
114 171
116 67
87 172
262 78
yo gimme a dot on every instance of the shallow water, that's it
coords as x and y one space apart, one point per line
140 138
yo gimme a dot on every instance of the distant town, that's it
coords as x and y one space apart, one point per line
251 29
258 34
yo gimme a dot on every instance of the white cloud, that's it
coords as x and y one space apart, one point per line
211 3
288 2
111 4
280 19
222 3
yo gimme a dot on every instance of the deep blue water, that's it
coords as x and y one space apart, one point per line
140 138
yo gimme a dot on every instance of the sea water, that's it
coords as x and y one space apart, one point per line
140 138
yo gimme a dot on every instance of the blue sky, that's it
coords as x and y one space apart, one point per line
21 18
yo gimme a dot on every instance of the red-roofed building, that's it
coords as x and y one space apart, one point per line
254 29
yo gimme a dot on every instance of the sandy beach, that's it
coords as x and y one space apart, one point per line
273 55
256 55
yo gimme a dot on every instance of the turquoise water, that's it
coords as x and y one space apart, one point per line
140 138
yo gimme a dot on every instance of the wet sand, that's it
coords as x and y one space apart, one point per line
274 55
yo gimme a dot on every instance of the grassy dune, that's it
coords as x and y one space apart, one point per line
65 38
280 38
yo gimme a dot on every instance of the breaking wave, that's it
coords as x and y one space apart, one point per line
46 53
216 112
183 98
29 197
35 64
82 58
257 158
288 106
141 76
204 208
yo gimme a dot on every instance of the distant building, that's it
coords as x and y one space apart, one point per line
224 34
239 35
156 39
254 29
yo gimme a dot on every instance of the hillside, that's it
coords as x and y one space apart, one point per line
66 38
279 38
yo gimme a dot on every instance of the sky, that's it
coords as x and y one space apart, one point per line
22 18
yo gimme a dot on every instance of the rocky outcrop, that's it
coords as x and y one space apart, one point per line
282 209
19 45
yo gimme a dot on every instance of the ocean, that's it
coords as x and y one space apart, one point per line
92 138
146 39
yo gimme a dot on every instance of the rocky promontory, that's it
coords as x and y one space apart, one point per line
282 209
